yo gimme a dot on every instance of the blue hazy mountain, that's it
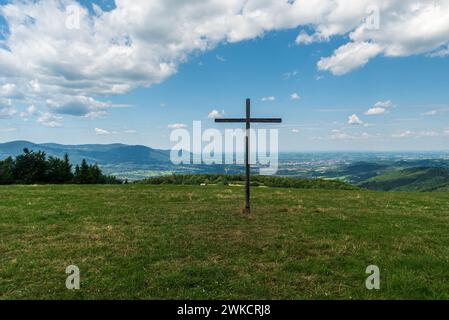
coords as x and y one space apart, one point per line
109 154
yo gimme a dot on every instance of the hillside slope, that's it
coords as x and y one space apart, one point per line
360 171
411 179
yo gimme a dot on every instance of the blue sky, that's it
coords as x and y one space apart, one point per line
408 96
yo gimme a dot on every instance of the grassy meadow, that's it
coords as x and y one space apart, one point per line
193 242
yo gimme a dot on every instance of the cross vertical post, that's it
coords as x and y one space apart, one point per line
248 120
247 156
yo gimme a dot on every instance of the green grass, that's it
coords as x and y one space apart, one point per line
191 242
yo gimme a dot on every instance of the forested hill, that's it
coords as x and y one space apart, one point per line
412 179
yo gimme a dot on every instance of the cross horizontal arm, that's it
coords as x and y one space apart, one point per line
252 120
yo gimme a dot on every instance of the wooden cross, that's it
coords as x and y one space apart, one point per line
248 120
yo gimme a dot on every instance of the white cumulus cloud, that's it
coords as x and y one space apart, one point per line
101 132
375 111
50 120
354 120
7 110
384 104
295 96
30 111
271 98
379 108
10 91
77 106
349 57
215 114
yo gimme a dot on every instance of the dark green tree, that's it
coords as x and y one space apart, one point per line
59 171
82 173
95 175
7 171
67 169
31 167
55 170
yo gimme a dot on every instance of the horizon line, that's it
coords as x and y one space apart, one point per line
284 151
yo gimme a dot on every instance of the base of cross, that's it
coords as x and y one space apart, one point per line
246 210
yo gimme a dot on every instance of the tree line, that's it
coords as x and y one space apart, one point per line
35 168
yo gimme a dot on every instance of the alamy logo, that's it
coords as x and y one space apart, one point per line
73 20
372 21
226 150
73 280
373 281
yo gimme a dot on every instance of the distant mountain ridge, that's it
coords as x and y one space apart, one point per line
103 154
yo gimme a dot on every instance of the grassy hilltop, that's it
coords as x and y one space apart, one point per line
193 242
